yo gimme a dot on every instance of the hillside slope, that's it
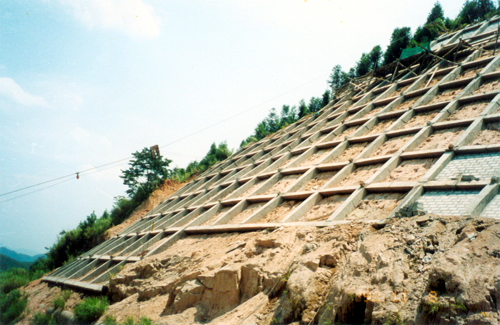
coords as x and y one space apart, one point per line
18 256
7 263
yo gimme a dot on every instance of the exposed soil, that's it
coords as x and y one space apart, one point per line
468 110
400 90
441 139
316 157
410 170
283 184
376 206
489 135
421 118
243 215
283 164
347 132
486 54
374 111
351 152
434 81
219 214
392 145
320 138
253 188
317 182
280 211
324 208
41 296
408 102
445 95
380 127
488 86
471 72
360 174
166 189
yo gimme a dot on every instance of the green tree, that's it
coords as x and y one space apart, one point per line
315 104
474 10
437 12
400 39
325 98
145 173
363 66
303 111
338 78
375 56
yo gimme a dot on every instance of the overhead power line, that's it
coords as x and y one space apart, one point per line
97 168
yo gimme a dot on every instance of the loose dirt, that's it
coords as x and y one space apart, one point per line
488 86
320 138
400 90
380 127
468 110
324 208
410 170
421 118
351 152
445 95
285 163
280 211
253 188
317 182
392 145
489 135
347 132
434 81
441 139
471 72
166 189
316 157
374 111
41 296
376 206
243 215
361 173
408 103
283 184
219 214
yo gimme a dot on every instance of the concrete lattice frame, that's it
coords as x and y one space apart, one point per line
355 126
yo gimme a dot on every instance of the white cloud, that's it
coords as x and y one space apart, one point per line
133 17
11 90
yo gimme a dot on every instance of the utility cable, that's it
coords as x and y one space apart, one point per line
94 169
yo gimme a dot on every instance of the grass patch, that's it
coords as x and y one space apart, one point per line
89 310
12 305
129 320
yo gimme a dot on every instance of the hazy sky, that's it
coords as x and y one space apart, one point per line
87 82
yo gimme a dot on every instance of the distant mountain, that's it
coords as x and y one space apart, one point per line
7 263
17 256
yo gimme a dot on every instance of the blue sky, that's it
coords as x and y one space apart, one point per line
84 83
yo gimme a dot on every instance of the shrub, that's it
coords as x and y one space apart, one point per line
13 279
41 319
89 310
59 303
12 306
109 320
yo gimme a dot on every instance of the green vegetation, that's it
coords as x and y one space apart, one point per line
401 38
394 319
288 115
12 306
7 263
110 320
214 155
431 308
89 310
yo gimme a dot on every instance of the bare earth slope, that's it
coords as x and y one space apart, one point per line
430 269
